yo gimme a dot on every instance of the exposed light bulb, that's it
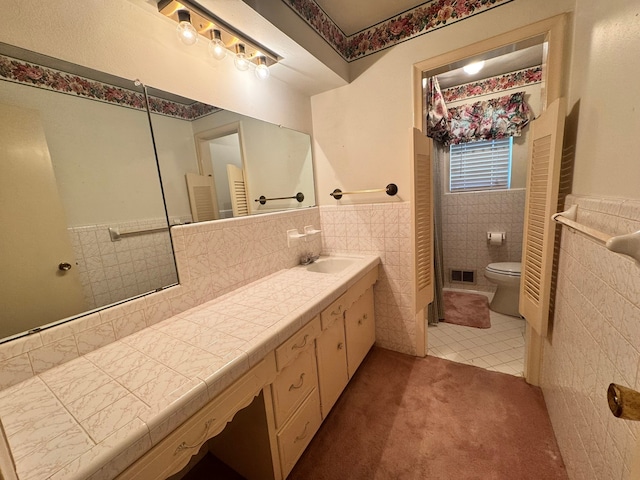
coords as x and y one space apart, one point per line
241 60
262 70
474 67
217 48
186 32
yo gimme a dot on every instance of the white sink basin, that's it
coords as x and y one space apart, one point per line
331 264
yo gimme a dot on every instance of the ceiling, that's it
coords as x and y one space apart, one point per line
353 16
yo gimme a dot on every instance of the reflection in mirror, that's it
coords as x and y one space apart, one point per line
216 164
84 223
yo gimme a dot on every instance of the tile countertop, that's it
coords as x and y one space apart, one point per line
94 416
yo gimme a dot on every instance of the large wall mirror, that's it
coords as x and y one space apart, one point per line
81 201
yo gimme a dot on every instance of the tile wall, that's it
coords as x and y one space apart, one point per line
595 341
213 258
385 230
111 271
466 219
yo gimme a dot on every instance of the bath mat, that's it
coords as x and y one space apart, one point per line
468 309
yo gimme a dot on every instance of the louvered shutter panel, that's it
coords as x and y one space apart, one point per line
543 178
239 203
202 197
422 220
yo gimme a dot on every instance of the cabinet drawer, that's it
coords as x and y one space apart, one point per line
293 385
360 330
297 342
298 432
334 311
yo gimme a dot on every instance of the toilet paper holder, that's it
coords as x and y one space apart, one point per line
493 237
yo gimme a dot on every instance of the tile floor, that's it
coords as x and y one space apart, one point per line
499 348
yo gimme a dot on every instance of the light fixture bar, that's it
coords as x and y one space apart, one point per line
204 21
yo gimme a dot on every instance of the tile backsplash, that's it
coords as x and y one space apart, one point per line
595 341
213 258
110 271
385 230
466 219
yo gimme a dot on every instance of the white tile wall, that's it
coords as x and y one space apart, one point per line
466 219
382 229
213 258
112 271
595 341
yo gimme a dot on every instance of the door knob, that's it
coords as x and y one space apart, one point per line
64 266
624 402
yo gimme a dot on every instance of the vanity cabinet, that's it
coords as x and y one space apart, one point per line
360 330
278 406
348 333
332 365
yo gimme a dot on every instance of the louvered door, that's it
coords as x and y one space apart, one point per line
239 203
545 156
422 220
202 197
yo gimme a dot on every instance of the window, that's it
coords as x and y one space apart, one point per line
484 165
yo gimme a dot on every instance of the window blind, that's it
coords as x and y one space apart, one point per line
484 165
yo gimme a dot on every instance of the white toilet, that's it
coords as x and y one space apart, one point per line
506 275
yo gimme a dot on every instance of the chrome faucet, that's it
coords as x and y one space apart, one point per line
308 258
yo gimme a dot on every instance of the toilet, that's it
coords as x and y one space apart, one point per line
506 275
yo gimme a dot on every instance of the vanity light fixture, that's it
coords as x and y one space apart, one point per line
186 32
225 40
474 67
262 71
217 48
240 60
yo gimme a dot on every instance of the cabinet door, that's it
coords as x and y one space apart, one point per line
360 330
332 365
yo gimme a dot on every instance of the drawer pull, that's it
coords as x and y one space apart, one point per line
340 346
295 387
338 311
304 342
303 434
184 446
359 321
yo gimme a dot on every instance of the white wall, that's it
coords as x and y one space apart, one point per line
102 156
272 159
129 38
604 90
362 131
176 156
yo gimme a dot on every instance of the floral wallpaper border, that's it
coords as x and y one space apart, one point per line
519 78
417 21
26 73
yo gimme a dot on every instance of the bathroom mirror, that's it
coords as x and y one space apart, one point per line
96 173
218 164
81 202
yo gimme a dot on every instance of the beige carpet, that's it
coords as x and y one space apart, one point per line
468 309
403 417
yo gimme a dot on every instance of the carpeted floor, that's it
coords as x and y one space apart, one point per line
403 417
468 309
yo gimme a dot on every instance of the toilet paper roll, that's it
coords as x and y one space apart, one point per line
495 238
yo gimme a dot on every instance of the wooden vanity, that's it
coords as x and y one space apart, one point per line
299 338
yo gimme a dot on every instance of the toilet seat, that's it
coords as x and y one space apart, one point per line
511 269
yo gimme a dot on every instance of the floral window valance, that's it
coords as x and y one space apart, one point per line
484 120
